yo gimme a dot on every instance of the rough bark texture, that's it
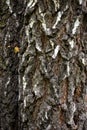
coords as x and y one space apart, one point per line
43 65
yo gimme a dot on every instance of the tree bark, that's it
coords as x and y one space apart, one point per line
43 65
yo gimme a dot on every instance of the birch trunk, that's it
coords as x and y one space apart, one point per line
43 65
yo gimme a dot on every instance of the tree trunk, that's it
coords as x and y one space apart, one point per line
43 65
